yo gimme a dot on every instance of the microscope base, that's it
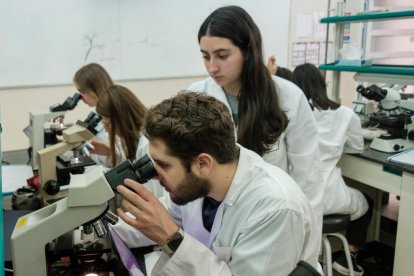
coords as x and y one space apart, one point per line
391 145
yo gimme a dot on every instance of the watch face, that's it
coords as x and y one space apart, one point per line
175 241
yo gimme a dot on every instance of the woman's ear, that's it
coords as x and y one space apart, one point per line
204 164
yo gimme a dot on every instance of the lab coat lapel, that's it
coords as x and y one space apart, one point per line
241 178
193 222
216 225
218 93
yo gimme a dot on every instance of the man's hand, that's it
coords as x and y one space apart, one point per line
151 217
272 65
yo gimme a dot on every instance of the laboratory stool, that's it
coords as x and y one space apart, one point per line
332 226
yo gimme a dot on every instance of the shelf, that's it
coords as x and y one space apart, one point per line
375 73
369 17
375 68
392 32
384 78
391 55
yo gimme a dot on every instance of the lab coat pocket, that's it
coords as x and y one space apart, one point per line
223 253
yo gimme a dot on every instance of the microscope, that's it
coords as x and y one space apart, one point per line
394 115
85 204
41 136
70 156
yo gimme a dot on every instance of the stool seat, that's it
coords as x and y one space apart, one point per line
335 223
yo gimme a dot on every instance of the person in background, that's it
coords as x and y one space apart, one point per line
122 115
339 132
92 81
271 115
276 70
232 212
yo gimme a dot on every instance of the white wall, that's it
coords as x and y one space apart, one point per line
127 37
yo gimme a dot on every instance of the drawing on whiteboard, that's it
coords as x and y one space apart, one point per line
147 41
90 40
144 41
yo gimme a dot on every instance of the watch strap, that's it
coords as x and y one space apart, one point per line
173 243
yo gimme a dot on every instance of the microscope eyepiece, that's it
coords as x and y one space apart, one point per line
141 162
69 104
90 122
360 89
146 170
141 171
93 119
372 92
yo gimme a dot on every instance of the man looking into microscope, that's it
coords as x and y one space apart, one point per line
232 213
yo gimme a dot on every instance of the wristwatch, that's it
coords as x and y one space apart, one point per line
173 243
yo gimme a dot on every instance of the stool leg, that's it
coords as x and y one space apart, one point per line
327 256
347 253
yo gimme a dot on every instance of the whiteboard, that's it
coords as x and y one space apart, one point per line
44 42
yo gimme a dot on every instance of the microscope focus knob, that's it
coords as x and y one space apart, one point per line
51 187
410 135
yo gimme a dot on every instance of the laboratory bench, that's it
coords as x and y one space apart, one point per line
374 174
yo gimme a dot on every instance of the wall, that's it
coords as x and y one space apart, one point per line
44 44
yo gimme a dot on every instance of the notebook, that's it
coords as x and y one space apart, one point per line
405 157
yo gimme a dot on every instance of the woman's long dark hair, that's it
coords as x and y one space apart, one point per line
261 120
126 113
313 85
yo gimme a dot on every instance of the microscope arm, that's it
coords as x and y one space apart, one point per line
87 200
47 160
73 138
37 139
78 133
392 99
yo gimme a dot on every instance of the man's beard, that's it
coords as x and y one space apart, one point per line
190 189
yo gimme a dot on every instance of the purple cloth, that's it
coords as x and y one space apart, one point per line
128 259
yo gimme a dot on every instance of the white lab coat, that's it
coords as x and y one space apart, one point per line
339 131
297 151
264 226
100 136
